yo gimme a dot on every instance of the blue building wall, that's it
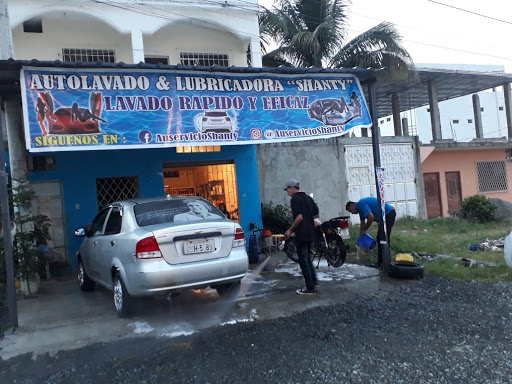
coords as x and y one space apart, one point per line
78 172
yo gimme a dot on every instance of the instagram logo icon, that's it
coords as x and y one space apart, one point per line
255 133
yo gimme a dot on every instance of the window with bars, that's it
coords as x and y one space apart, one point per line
206 59
110 189
492 176
89 55
156 60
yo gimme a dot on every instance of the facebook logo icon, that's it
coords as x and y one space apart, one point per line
145 136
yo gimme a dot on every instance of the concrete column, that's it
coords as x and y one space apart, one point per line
137 45
508 110
395 105
255 52
405 126
435 118
6 52
16 140
6 46
477 112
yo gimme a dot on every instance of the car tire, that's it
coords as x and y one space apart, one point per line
405 270
229 290
122 299
84 282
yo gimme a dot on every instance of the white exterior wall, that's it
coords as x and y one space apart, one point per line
152 28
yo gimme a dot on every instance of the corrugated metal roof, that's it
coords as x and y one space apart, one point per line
413 92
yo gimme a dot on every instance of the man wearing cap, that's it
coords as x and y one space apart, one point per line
304 210
368 209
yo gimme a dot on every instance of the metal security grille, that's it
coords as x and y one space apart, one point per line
492 176
110 189
206 59
89 55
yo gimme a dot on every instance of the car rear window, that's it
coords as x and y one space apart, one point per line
215 114
175 211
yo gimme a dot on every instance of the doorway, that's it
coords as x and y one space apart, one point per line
432 194
453 191
48 201
213 182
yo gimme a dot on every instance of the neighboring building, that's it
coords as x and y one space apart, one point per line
453 171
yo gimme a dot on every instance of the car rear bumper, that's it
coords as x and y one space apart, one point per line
153 276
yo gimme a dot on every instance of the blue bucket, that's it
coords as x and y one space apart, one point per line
366 242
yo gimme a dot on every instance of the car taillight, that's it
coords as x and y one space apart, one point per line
343 224
148 249
239 239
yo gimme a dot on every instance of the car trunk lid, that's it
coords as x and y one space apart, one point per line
194 242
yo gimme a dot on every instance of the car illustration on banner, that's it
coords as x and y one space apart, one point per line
335 111
65 120
215 120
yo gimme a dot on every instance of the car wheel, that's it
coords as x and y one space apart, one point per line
122 299
405 270
85 283
229 290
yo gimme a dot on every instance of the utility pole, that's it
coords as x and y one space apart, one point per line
6 52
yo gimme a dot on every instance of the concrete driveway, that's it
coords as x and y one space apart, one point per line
62 317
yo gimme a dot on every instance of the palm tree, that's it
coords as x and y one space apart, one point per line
312 33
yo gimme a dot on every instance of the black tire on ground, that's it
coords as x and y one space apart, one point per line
122 299
290 248
405 270
337 252
84 282
229 290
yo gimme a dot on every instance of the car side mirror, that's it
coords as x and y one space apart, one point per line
80 232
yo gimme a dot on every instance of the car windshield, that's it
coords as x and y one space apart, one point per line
175 211
215 113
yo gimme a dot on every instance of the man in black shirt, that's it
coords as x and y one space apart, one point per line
304 210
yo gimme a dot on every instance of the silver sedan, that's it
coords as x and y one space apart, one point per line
143 247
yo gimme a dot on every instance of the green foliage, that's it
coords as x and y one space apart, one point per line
30 229
277 217
448 236
478 208
314 33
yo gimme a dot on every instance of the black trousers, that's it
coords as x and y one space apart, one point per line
390 221
306 265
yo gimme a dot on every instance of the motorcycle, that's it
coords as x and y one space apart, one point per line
328 242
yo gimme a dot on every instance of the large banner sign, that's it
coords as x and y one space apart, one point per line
97 109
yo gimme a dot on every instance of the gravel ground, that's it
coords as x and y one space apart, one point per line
436 331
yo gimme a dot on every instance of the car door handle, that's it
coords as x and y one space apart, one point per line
112 242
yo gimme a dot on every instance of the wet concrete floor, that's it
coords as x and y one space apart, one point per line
62 317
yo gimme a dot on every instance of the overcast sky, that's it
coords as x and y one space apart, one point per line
435 33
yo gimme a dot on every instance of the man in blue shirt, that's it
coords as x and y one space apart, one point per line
369 209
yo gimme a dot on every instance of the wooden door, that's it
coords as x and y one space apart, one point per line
453 191
432 194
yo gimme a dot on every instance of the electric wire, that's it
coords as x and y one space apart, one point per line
471 12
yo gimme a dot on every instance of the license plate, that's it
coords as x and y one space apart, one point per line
199 246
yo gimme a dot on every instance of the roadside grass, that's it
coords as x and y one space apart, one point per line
448 236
